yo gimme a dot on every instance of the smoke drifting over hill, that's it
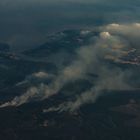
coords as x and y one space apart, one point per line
115 42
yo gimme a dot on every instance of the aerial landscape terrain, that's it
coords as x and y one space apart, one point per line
69 70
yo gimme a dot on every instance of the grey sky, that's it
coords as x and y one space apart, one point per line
26 23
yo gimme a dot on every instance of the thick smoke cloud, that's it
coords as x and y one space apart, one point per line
111 45
111 81
130 31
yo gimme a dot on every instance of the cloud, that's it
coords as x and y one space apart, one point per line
105 35
41 74
110 45
130 32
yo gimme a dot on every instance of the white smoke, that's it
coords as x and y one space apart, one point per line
90 59
36 77
110 80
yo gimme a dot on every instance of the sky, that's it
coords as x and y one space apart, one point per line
25 24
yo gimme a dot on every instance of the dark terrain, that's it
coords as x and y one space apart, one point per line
114 116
